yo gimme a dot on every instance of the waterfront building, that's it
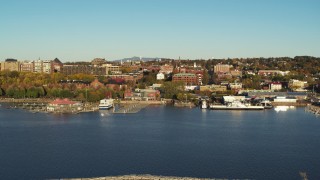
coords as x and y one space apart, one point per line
188 78
64 106
11 65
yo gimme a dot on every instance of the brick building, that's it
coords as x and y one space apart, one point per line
188 78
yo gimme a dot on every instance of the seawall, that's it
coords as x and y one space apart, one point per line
143 177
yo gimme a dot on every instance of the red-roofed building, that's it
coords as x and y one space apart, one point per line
64 106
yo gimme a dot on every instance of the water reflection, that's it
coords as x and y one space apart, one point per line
283 108
104 113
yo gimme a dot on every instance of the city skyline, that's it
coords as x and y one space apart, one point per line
83 30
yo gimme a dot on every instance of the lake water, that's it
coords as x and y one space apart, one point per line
160 140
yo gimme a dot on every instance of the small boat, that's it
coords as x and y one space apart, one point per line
204 104
281 108
105 104
236 105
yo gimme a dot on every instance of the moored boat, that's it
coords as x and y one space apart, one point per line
204 104
106 104
235 105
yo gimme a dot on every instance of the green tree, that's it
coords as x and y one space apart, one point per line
205 78
170 90
32 92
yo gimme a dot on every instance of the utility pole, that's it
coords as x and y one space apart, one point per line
86 95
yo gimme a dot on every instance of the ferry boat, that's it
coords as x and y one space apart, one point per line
105 104
235 105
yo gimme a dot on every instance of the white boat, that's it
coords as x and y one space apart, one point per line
236 105
105 104
281 108
204 104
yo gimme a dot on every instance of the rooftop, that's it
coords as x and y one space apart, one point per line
184 74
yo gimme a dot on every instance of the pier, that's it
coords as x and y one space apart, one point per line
130 108
32 107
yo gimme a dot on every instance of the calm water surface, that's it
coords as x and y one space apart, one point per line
160 140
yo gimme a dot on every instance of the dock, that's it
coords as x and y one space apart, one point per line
130 108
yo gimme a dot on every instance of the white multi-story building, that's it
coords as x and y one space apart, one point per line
47 66
112 69
38 66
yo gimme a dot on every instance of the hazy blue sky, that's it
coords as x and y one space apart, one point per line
74 30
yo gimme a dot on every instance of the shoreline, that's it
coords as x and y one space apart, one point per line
124 102
142 177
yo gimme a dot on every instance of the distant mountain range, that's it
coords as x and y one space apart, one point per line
136 58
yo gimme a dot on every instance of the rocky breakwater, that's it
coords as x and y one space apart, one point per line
313 109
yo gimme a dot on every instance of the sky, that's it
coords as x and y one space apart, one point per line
80 30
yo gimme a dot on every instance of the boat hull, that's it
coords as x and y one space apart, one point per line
104 107
236 108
